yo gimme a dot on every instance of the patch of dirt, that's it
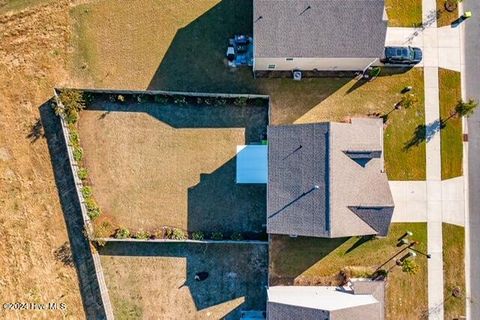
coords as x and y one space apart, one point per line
33 53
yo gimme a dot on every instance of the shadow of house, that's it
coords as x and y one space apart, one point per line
80 247
234 270
253 117
218 203
195 60
291 257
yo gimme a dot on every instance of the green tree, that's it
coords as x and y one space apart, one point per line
465 108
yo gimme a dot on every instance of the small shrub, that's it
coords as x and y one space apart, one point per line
236 236
176 234
199 100
410 266
78 153
240 101
207 101
93 213
74 138
217 236
72 100
374 72
161 99
120 98
221 101
180 100
198 235
71 117
87 192
82 173
140 98
122 233
93 210
142 235
408 100
103 230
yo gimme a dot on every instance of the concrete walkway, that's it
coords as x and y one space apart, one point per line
434 201
411 201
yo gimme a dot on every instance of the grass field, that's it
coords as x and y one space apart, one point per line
454 269
173 165
445 18
163 281
404 13
451 134
311 261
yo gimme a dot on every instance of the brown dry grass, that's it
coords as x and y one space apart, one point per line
163 283
32 58
169 172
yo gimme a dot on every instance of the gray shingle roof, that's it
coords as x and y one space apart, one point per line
315 188
319 28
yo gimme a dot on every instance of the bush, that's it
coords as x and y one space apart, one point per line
82 173
74 138
180 100
122 233
217 236
199 100
71 117
161 99
198 235
236 236
221 101
77 153
240 101
410 266
87 192
104 230
93 210
72 100
120 98
175 234
142 235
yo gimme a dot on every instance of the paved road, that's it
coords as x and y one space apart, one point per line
472 88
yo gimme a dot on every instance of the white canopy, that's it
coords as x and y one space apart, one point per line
252 164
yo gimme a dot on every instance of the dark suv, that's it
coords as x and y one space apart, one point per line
402 55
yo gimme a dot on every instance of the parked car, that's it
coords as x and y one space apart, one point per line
402 55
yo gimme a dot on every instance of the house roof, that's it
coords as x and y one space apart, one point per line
327 302
319 28
328 180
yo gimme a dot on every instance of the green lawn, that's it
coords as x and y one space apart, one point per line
404 13
311 261
445 18
451 134
454 269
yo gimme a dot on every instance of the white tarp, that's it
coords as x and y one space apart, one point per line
252 164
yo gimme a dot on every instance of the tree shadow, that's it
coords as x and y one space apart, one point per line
235 270
291 257
36 131
80 246
424 133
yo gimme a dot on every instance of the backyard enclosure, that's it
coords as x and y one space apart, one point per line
171 161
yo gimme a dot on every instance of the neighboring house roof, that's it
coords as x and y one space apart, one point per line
324 303
328 180
319 28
